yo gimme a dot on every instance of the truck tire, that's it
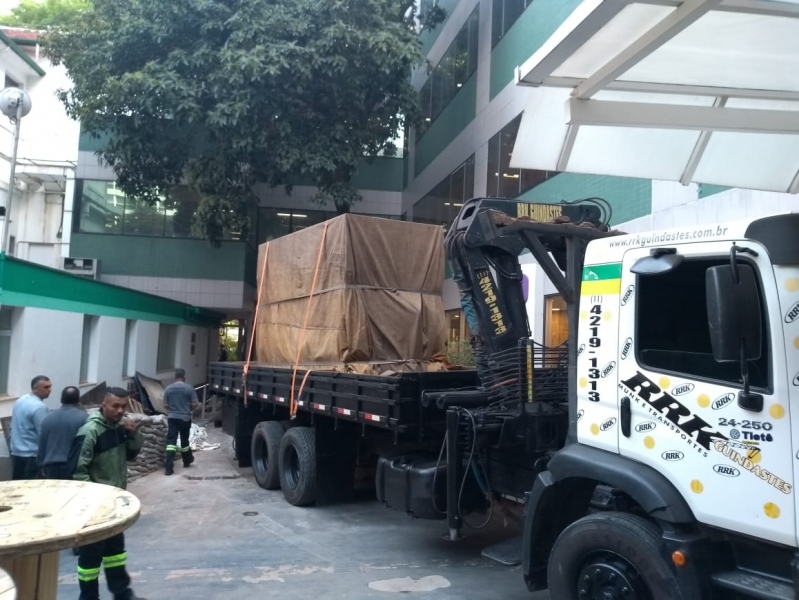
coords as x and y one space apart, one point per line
265 454
611 555
298 466
287 424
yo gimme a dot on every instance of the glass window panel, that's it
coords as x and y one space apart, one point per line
508 178
468 191
492 179
496 21
301 219
142 218
460 58
474 26
101 207
272 224
436 104
181 206
513 10
457 185
446 69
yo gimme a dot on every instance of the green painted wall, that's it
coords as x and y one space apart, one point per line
527 35
705 190
381 174
165 257
452 120
28 284
629 198
428 38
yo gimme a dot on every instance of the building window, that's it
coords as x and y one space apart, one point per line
556 321
451 73
277 222
101 207
504 14
193 342
502 181
6 313
128 360
167 346
441 205
87 349
672 331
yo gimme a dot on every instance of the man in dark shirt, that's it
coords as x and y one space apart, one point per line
179 400
58 434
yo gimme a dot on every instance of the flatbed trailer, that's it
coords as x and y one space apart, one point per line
389 429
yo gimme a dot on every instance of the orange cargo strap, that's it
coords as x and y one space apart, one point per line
255 323
305 324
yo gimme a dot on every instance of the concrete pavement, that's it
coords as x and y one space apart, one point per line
210 532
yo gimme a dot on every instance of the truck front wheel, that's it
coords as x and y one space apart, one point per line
298 466
611 555
265 449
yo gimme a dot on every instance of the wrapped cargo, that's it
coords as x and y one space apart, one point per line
376 293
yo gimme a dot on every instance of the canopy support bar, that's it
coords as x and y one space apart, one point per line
568 146
674 89
603 113
767 8
699 148
668 28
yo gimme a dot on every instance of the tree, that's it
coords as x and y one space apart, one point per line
45 14
231 93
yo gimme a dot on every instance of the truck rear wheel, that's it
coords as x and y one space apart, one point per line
298 466
265 452
611 555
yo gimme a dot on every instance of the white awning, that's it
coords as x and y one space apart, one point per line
700 91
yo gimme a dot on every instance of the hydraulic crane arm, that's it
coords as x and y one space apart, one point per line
484 244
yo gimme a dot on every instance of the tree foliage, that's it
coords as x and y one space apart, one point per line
231 93
45 14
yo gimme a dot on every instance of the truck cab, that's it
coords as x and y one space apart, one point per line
688 363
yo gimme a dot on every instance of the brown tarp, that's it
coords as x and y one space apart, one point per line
377 294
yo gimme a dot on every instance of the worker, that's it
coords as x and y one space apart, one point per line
104 444
57 433
180 400
26 421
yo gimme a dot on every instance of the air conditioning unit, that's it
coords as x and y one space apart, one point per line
83 267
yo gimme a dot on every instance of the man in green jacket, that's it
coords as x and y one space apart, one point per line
103 446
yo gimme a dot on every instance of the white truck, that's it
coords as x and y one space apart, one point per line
654 454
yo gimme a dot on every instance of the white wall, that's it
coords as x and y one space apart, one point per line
107 351
675 206
146 347
46 161
44 342
48 342
194 364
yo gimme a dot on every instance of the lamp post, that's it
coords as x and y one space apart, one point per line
15 104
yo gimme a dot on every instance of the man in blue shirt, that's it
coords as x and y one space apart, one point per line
26 423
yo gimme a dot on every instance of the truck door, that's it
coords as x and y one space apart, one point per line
733 466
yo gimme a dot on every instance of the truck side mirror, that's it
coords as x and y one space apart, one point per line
733 313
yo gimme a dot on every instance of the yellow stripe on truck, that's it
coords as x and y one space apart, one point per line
602 287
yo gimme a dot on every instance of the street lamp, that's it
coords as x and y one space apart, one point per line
15 104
